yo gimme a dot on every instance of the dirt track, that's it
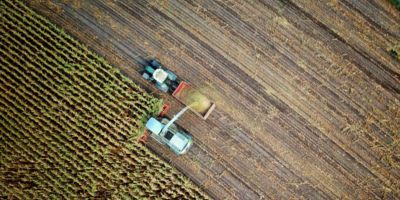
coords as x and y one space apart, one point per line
307 94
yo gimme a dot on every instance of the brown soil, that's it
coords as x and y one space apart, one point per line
307 93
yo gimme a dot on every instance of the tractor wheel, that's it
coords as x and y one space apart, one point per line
155 63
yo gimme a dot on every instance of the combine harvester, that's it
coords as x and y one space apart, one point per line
163 129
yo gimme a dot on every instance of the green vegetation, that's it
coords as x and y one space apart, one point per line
395 52
69 121
396 3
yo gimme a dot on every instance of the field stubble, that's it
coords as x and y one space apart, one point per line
307 94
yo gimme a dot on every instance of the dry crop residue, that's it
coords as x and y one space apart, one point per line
69 120
307 93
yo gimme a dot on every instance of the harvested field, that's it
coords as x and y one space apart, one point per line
307 93
69 121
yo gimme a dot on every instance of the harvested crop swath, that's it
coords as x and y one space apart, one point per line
69 121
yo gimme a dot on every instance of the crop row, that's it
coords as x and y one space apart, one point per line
99 89
66 119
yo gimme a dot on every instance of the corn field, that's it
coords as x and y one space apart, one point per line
69 121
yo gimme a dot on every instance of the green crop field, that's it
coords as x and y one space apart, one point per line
69 121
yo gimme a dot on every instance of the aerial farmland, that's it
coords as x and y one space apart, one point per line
306 98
